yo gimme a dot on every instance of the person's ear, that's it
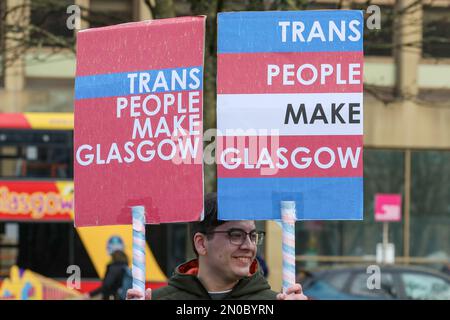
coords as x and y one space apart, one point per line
200 243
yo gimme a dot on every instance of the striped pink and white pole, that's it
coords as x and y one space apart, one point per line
138 269
288 218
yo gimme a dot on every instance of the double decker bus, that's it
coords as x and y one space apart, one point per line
36 210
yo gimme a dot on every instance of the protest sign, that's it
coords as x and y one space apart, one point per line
138 122
290 114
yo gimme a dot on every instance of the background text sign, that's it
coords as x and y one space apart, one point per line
388 207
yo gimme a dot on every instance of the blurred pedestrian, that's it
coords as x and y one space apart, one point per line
116 277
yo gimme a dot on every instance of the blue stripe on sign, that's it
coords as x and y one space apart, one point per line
138 283
262 32
142 251
288 250
138 234
289 267
315 198
118 84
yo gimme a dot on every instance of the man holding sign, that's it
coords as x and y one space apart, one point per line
290 119
138 127
225 267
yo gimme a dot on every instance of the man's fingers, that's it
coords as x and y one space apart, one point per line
281 296
148 294
296 297
133 294
296 288
293 293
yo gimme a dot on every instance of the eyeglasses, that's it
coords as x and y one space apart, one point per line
238 236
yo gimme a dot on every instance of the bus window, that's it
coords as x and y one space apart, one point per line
49 248
36 154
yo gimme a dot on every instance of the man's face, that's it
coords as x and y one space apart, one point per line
230 260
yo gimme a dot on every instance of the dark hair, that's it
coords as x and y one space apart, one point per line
209 222
119 256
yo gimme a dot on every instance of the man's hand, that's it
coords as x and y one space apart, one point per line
134 294
293 293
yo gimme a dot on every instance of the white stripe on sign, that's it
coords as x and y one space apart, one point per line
290 114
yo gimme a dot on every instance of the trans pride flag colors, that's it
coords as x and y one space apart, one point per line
290 114
138 122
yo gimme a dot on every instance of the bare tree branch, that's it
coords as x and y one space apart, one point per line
25 39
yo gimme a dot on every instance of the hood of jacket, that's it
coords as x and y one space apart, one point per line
185 279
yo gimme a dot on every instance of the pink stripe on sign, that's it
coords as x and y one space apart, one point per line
289 241
308 72
181 110
290 156
103 50
289 258
99 127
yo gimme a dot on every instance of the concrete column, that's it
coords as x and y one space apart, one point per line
14 67
273 255
346 4
84 4
143 11
406 208
407 46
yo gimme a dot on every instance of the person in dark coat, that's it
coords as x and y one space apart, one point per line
225 267
115 271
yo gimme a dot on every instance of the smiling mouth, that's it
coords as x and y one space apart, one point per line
246 260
